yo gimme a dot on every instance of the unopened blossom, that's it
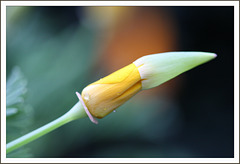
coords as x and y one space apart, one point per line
105 95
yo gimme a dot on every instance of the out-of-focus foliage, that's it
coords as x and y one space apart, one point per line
19 114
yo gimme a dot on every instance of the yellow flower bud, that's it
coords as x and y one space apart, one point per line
106 94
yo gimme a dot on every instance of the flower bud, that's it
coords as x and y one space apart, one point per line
105 95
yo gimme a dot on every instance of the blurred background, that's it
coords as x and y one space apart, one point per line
55 51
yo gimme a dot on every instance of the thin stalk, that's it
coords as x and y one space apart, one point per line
76 112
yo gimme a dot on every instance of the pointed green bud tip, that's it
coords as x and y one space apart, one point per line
158 68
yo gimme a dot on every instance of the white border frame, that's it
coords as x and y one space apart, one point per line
4 4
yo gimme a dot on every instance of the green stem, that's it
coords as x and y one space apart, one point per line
76 112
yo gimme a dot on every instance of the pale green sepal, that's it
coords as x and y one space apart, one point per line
158 68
